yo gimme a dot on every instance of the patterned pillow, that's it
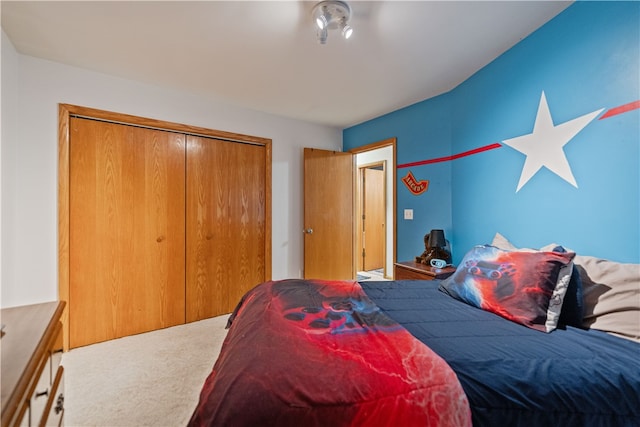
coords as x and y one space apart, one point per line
609 294
573 308
522 286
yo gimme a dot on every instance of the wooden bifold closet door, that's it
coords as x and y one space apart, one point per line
225 224
126 214
165 227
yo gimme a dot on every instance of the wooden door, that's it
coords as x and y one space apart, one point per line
126 230
226 209
373 199
328 214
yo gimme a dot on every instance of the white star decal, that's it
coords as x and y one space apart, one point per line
544 147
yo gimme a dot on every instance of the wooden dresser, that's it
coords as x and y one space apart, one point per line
32 377
411 270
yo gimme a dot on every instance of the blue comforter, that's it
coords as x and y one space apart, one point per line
516 376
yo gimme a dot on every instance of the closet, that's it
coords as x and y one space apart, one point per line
160 223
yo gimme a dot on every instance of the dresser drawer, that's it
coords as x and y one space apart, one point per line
407 274
23 414
54 411
40 394
411 270
32 378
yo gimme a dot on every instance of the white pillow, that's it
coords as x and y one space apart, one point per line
611 296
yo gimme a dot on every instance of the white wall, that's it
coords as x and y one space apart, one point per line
9 94
379 155
8 75
29 161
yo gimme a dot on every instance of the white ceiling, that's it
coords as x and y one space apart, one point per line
264 55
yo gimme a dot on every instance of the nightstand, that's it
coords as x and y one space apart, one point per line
411 270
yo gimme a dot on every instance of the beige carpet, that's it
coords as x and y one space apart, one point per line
151 379
372 275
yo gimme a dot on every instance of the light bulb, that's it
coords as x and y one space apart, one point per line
322 36
347 31
321 22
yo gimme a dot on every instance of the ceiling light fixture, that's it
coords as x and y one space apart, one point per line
331 15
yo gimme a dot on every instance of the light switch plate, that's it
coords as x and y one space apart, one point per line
408 214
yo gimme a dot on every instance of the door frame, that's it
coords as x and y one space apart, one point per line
389 142
360 213
65 111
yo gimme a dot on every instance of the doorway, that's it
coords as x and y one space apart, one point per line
330 210
375 248
370 217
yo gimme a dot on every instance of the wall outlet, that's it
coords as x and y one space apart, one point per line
408 214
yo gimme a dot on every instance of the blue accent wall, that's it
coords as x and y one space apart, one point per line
586 59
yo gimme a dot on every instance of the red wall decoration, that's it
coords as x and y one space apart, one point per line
416 187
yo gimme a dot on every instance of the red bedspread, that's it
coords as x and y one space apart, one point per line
320 353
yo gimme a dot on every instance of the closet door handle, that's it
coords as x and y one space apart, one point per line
160 239
308 230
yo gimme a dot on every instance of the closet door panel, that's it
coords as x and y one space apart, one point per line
247 208
126 238
226 196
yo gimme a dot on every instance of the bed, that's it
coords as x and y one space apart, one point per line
439 353
517 376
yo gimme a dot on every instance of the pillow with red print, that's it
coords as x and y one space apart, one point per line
521 286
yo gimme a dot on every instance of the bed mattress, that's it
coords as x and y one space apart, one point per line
517 376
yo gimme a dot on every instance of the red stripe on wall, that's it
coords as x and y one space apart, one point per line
610 113
453 157
621 109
